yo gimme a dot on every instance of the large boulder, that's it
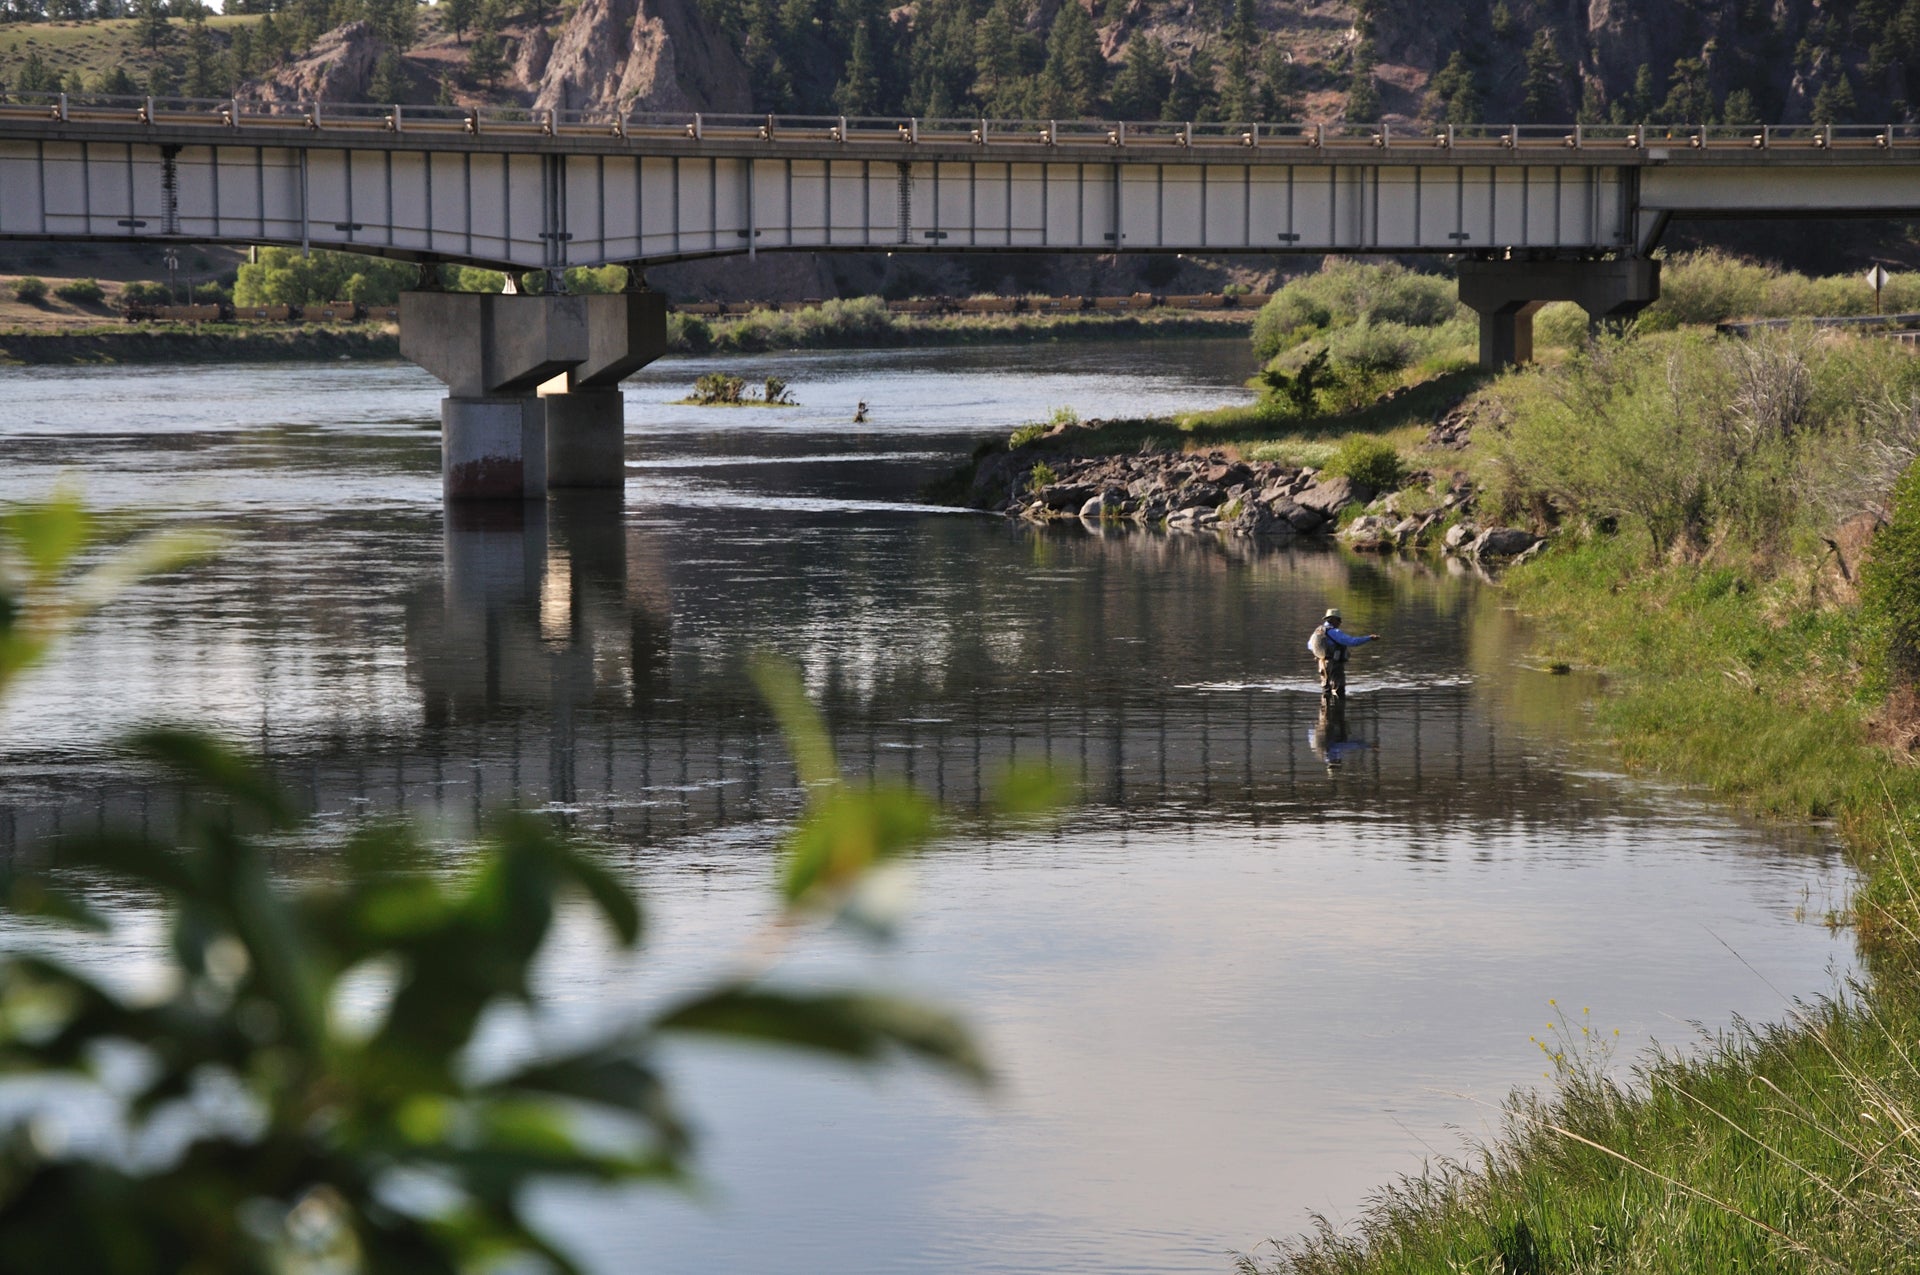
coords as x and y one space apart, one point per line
1302 518
1331 495
1502 542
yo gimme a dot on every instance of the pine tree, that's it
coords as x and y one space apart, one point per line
1739 108
459 15
35 76
394 22
1238 101
485 60
151 23
1006 58
858 92
1245 31
1141 88
1363 95
1075 73
1192 96
116 83
1544 89
1834 103
240 49
1689 99
389 82
204 73
1455 92
1278 84
273 42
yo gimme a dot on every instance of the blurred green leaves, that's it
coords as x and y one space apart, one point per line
45 590
315 1045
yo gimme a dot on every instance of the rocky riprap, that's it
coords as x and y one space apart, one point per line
1213 493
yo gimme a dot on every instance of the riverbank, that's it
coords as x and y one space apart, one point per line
1709 511
152 343
1783 1147
762 331
1722 604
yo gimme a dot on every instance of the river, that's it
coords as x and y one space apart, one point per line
1254 973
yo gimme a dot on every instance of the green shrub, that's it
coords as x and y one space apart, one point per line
1560 323
1890 582
1347 292
1374 348
719 388
689 332
1031 432
141 292
283 276
1041 475
81 292
30 290
1692 439
1368 460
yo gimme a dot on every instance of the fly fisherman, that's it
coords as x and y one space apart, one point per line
1330 646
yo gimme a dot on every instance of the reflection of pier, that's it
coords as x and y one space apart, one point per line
548 673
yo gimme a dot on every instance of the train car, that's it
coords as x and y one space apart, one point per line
1198 301
992 305
1252 300
208 312
336 312
704 309
1056 305
266 314
920 305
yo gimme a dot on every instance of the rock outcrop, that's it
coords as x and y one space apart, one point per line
643 55
337 68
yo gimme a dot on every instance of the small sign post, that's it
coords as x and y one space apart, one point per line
1877 279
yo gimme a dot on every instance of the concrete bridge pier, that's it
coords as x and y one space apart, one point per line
1507 294
496 351
586 425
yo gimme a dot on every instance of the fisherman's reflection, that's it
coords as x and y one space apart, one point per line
1329 735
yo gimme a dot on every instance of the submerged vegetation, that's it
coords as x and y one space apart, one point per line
725 389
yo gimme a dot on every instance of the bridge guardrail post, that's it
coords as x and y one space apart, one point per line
60 109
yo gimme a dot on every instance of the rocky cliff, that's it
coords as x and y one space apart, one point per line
645 55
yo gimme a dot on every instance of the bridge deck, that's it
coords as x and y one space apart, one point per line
523 189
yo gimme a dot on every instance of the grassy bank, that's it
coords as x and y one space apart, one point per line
212 343
1707 500
1790 1147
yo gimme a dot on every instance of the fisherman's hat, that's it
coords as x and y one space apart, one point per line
1333 613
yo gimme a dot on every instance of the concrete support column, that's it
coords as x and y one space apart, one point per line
493 448
494 351
1507 293
1506 334
586 439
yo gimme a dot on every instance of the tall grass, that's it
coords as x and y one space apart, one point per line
1711 286
1691 438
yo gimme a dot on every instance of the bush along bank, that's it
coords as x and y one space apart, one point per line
1735 541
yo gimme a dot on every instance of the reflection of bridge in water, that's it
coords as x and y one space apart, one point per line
560 662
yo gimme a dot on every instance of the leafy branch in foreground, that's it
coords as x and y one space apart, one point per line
298 1088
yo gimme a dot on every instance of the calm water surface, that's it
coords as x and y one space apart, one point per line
1267 964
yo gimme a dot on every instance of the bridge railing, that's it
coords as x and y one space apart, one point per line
894 132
